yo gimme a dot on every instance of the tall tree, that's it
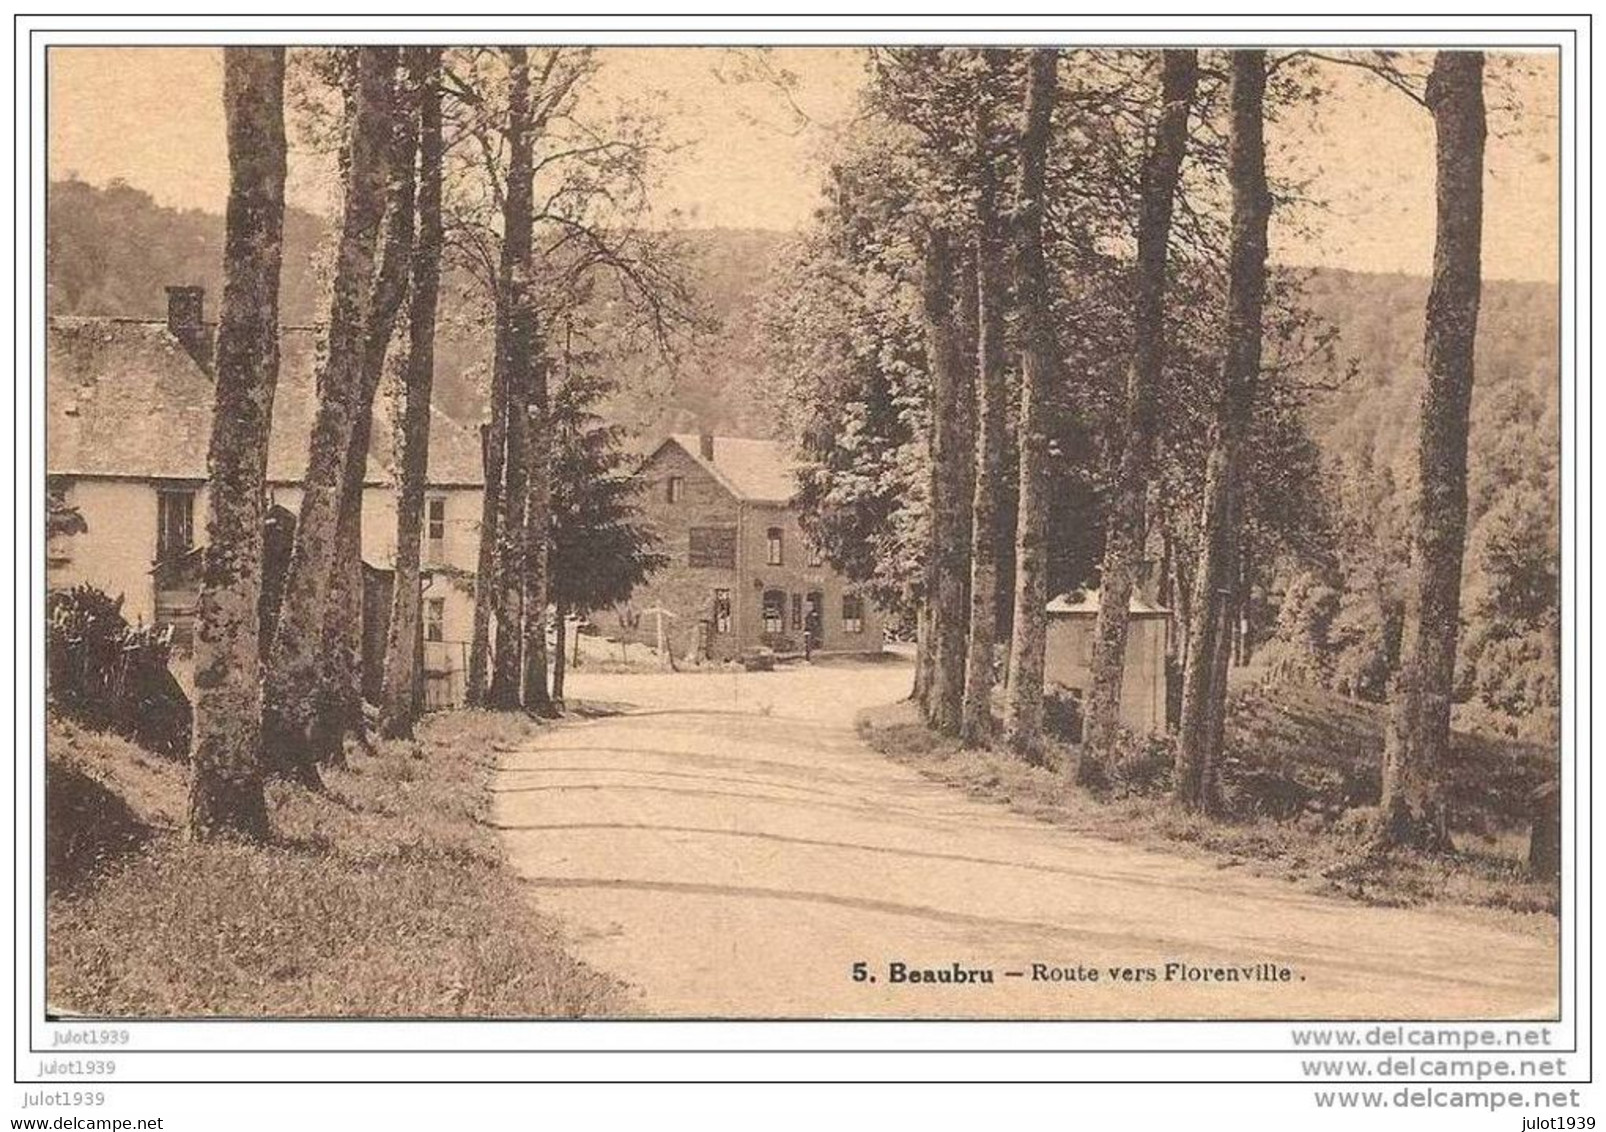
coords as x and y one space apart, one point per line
400 698
516 359
1418 735
341 713
1023 698
1126 524
976 725
1204 690
225 763
600 549
291 707
947 559
537 538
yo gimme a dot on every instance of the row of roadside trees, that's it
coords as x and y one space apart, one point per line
480 173
1035 339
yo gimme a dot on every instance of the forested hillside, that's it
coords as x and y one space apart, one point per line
112 250
1342 629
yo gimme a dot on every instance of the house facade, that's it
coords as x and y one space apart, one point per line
128 422
1068 656
742 576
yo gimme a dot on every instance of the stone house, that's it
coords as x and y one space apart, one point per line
742 575
1068 656
128 419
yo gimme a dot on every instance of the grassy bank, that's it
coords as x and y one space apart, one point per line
386 895
1320 852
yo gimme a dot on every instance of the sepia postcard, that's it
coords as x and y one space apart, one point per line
1039 529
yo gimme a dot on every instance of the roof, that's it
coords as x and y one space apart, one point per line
1085 603
124 398
755 471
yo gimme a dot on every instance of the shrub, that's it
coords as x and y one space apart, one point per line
109 675
1062 714
1143 765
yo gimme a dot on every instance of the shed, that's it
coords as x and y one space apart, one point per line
1068 661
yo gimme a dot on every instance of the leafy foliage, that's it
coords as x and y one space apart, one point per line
108 674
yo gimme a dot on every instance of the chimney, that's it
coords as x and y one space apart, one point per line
185 308
705 444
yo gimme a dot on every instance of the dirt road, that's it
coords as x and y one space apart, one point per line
731 849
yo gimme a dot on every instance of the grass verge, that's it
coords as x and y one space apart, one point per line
1480 880
386 895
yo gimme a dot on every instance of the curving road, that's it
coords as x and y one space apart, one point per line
731 849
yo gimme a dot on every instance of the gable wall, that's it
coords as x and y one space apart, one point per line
686 589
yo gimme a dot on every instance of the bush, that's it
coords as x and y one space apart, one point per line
109 675
1062 714
1144 765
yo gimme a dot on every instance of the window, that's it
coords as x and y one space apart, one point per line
712 547
434 619
797 611
852 613
175 523
435 528
722 611
677 489
774 537
774 611
816 555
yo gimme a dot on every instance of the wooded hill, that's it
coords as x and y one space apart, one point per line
111 251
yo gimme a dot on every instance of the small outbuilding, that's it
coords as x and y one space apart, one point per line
1068 661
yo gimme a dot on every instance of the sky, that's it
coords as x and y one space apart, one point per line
153 117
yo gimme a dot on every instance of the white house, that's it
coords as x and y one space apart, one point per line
1068 656
128 418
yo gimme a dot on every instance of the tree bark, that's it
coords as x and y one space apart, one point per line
342 677
947 556
925 654
560 660
493 445
1203 681
1418 737
290 712
226 757
515 357
537 540
976 724
1127 522
401 695
1023 699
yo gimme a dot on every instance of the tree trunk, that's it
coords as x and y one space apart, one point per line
493 445
515 357
342 677
1126 524
560 659
226 758
401 694
537 541
511 556
1023 699
290 711
1203 689
947 556
976 724
925 654
1418 736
